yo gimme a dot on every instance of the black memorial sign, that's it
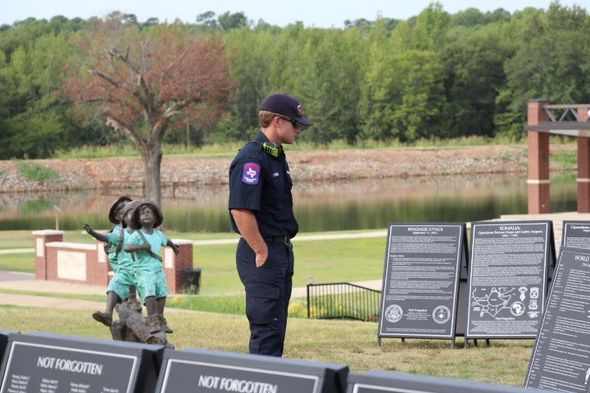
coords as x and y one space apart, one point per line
576 234
508 278
199 371
561 357
421 279
392 382
45 363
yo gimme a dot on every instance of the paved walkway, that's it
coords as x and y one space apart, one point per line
17 251
26 281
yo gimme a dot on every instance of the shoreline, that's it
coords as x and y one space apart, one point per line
119 173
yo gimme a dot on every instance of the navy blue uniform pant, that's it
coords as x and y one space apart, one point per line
268 291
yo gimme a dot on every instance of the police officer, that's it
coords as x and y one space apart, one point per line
261 211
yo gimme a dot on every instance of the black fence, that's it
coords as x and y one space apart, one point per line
342 301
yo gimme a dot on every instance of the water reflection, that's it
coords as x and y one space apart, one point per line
363 204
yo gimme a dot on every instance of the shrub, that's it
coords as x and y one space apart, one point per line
37 173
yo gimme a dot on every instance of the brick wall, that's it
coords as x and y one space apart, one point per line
80 263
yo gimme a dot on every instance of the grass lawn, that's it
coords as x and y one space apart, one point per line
24 263
352 343
346 342
16 239
324 260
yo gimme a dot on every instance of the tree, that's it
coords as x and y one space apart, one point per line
334 68
146 81
552 64
31 55
249 69
473 61
404 96
229 21
207 19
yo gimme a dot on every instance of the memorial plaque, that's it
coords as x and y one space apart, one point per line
393 382
576 234
421 280
561 356
47 363
196 371
508 278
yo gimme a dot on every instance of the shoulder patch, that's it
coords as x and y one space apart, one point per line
251 173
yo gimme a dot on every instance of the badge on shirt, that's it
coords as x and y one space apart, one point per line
251 173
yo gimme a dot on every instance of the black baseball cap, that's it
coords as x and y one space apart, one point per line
284 104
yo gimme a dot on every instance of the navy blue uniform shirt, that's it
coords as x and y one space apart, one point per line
262 183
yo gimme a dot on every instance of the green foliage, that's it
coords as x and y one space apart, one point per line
229 149
126 150
404 96
550 62
436 75
564 159
37 173
35 121
473 62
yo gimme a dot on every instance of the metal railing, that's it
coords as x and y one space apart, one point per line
342 301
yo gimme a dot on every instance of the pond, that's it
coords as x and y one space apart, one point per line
326 206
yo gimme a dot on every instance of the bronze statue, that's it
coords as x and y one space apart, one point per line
131 326
145 244
119 287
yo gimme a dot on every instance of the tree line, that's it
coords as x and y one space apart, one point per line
435 75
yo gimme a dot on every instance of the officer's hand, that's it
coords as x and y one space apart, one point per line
87 228
175 248
261 257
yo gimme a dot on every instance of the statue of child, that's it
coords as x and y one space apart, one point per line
122 285
145 243
111 239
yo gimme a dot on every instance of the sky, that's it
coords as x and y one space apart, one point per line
313 13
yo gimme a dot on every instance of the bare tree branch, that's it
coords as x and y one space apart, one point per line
124 130
105 77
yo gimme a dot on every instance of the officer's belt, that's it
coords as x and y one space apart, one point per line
281 239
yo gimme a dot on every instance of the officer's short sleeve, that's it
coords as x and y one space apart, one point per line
245 184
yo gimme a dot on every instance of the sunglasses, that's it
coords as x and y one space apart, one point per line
293 122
